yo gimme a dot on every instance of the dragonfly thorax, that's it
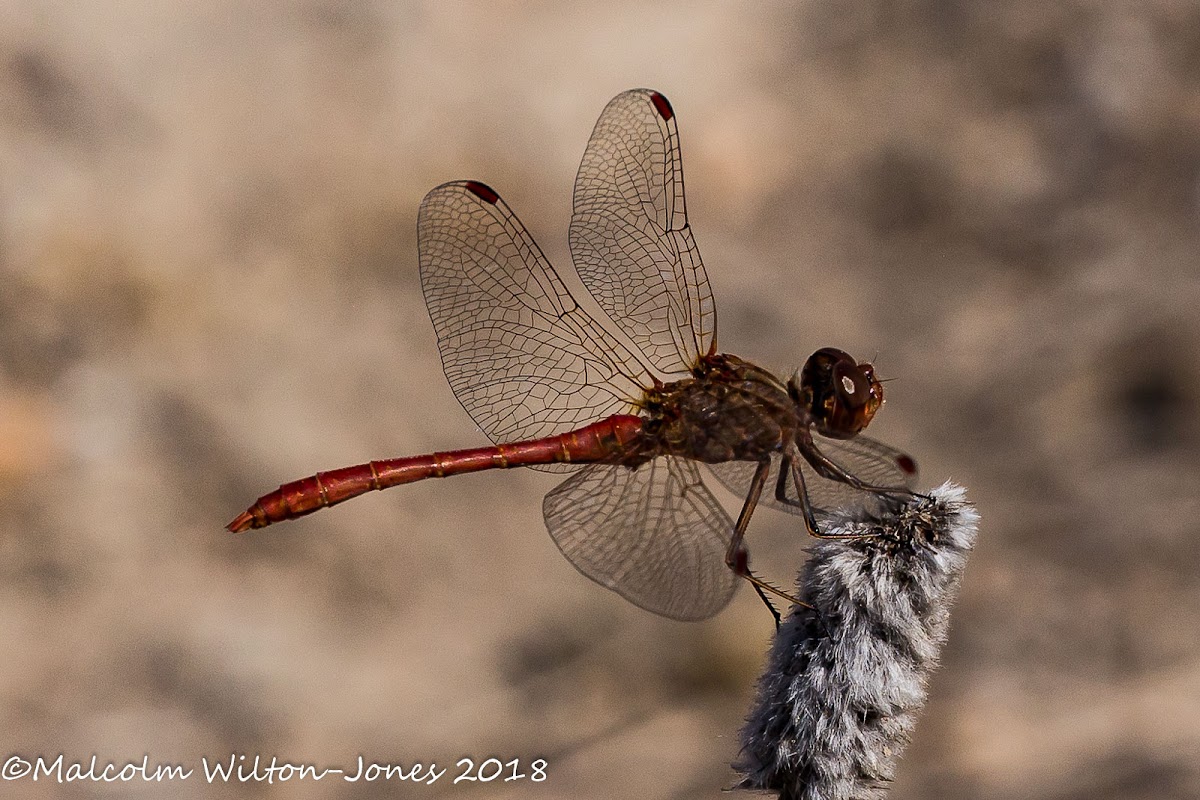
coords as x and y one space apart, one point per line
730 410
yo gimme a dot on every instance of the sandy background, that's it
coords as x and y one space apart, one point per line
208 286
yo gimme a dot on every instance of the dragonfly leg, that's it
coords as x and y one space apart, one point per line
791 464
762 595
737 558
827 468
732 559
762 587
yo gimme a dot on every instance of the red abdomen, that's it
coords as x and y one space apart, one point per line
606 440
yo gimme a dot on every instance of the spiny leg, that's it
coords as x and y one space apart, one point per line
785 471
827 468
791 463
737 558
770 606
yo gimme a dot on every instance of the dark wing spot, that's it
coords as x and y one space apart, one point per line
664 107
907 464
482 191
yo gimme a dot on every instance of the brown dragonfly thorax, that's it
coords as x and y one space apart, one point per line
729 410
732 410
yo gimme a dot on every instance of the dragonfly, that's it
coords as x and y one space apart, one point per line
623 386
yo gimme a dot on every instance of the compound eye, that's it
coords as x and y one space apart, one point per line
853 385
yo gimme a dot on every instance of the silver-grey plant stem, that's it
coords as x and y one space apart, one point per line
846 677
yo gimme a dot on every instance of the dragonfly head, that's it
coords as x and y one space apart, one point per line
840 395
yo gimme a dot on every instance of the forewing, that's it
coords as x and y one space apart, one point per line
865 458
654 535
630 239
522 357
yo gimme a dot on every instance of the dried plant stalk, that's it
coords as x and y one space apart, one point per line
846 677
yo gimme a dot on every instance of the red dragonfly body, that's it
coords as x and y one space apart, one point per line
596 442
556 390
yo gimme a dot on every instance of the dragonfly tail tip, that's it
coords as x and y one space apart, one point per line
243 522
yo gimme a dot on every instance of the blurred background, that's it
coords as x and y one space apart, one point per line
208 286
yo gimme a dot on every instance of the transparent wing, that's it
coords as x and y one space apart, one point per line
654 535
522 357
865 458
630 239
